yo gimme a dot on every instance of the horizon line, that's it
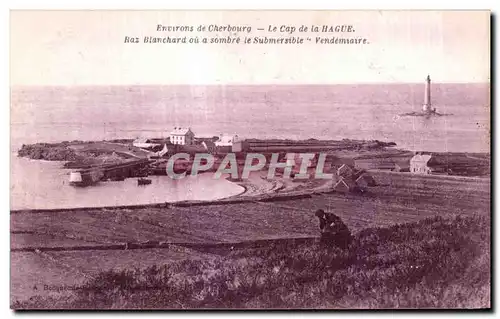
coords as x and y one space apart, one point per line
238 84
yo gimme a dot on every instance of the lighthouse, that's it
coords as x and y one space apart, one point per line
427 108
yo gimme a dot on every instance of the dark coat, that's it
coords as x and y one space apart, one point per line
334 231
331 223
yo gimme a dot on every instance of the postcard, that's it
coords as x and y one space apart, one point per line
250 160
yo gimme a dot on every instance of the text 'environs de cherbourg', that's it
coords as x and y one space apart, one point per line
245 34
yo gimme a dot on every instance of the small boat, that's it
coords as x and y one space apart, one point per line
143 181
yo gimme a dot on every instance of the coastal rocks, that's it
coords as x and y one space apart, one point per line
48 152
79 154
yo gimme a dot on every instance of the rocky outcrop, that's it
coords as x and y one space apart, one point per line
49 152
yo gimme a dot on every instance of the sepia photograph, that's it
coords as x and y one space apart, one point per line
250 159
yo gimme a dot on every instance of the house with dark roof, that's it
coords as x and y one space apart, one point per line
365 180
344 185
345 171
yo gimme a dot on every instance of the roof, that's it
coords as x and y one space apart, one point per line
347 182
365 177
210 139
225 139
141 140
421 158
181 131
343 161
344 169
402 163
345 166
208 144
368 179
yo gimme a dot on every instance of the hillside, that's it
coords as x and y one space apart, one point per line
433 263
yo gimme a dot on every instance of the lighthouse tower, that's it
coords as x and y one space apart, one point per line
427 98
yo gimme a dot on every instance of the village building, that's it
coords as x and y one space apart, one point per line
226 140
229 143
345 171
401 166
344 185
144 143
449 164
209 146
239 145
378 163
419 163
182 136
365 180
337 162
160 153
357 173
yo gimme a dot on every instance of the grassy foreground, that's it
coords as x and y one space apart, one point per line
434 263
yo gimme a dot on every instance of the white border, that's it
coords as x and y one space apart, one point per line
255 4
6 5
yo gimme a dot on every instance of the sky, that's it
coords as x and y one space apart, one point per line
87 48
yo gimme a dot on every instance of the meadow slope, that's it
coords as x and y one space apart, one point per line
434 263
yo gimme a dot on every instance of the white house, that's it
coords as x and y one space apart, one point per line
239 145
182 136
144 143
419 163
226 140
231 143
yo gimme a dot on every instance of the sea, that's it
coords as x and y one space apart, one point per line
357 111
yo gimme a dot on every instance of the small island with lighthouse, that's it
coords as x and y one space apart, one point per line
427 109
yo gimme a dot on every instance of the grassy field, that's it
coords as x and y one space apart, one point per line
434 263
33 239
398 198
